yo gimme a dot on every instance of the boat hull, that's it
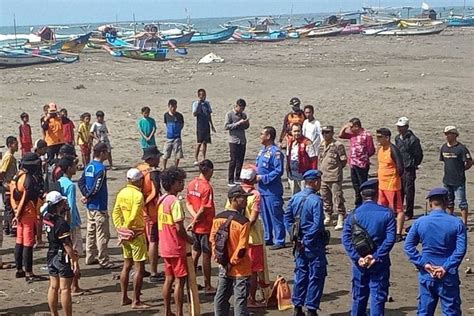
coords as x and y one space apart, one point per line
18 58
76 45
159 55
212 38
179 41
325 31
408 31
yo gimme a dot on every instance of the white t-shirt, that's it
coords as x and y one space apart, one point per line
100 131
312 131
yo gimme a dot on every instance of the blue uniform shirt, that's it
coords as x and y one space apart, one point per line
93 185
379 223
270 167
311 222
443 239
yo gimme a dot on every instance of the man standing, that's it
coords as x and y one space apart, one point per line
457 159
234 278
304 220
202 111
127 216
52 126
295 116
361 148
93 186
370 272
269 171
444 242
8 170
332 160
236 122
412 155
151 194
390 172
301 157
312 128
200 204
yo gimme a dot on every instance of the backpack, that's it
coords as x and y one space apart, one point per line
222 236
361 240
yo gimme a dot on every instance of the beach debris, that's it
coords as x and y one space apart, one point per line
3 294
422 75
81 86
29 94
363 70
210 59
468 270
31 291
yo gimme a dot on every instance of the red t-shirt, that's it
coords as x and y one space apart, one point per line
68 130
170 212
25 135
200 194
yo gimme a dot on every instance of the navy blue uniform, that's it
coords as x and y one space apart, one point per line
379 223
444 242
270 168
310 261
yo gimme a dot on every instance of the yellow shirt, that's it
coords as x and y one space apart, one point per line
389 180
83 134
9 167
128 209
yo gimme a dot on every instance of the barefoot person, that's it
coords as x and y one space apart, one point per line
62 260
173 238
202 111
128 220
174 122
200 204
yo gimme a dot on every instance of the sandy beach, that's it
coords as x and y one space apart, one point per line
378 79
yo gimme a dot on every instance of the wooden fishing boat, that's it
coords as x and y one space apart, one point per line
460 21
213 38
76 45
157 55
402 30
323 31
179 40
26 57
272 37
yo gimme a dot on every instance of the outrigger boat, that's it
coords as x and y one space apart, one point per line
212 38
26 57
272 37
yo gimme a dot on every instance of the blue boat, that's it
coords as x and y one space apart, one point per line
25 57
460 21
212 38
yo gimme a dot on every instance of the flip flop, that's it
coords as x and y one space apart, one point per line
5 266
109 266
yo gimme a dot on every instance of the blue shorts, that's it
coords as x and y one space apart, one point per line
457 193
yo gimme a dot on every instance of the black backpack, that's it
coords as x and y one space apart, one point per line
222 236
361 240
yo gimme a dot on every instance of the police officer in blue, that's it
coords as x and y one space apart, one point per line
269 172
370 272
444 242
304 220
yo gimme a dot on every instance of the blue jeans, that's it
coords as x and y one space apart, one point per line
227 286
457 193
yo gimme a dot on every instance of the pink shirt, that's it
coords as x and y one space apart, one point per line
170 212
361 148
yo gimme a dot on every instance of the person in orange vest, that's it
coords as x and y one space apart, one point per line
25 192
295 116
151 193
52 126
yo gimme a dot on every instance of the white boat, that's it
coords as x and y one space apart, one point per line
406 31
325 31
25 57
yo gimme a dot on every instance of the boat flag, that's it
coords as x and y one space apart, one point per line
425 6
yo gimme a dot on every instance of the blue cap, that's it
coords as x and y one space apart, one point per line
312 175
437 192
369 184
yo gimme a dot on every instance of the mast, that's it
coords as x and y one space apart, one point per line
14 28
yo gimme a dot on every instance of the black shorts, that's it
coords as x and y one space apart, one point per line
203 136
58 267
201 243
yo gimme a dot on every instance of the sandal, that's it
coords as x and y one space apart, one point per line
5 266
109 266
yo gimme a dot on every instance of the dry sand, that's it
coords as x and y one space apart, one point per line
428 79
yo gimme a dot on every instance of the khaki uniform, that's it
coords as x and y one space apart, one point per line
332 159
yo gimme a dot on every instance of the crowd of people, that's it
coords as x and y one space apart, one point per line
149 212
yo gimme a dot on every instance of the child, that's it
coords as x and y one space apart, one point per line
147 129
68 127
100 133
84 139
173 238
43 117
8 170
202 111
174 122
25 134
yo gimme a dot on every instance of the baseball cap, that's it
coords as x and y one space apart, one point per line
248 173
437 192
151 152
312 175
369 184
403 121
236 191
383 132
451 129
67 150
52 108
134 174
40 144
295 101
328 128
54 197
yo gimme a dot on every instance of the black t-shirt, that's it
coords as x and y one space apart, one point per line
58 231
454 159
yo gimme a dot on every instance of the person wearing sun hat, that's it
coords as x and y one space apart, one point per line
412 155
52 126
443 241
457 159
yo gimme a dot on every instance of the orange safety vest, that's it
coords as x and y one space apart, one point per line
54 134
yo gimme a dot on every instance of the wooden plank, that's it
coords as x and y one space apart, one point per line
191 284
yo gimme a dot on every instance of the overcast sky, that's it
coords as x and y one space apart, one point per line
34 12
